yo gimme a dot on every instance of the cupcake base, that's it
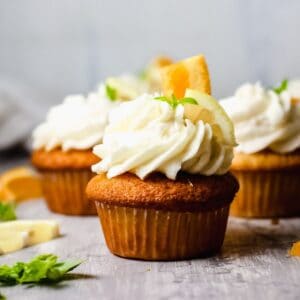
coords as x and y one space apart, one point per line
267 194
152 234
64 191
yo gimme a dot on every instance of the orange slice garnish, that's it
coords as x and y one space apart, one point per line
189 73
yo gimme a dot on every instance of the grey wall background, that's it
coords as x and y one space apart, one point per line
61 47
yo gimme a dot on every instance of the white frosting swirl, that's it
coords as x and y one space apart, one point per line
294 88
77 123
264 119
146 135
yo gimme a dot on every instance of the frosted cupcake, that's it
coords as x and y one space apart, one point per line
267 159
63 143
63 151
163 190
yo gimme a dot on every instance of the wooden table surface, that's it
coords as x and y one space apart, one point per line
253 264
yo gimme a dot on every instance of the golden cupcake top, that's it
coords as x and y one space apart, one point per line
166 134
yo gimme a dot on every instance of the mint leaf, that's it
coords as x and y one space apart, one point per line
7 212
111 92
173 101
282 87
164 99
37 269
42 268
189 100
2 297
60 269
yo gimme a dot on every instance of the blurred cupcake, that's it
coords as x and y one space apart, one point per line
124 87
152 73
267 159
63 143
63 151
130 86
163 191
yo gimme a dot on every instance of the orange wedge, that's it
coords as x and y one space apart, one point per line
19 184
295 250
189 73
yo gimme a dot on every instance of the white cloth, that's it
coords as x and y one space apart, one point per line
19 112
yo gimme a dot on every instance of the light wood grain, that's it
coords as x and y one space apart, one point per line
253 265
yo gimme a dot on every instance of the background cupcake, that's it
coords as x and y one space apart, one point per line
130 86
267 159
63 150
63 144
163 190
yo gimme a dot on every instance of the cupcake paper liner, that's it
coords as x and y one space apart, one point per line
151 234
64 191
267 194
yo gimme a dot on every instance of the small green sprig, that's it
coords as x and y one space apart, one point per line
7 212
111 92
282 87
44 268
174 102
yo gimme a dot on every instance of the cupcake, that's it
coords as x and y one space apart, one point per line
63 149
267 158
163 189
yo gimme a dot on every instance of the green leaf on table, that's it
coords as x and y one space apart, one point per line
44 268
7 212
111 92
282 87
